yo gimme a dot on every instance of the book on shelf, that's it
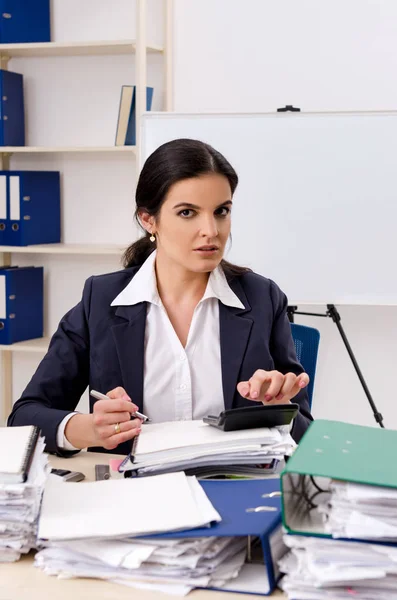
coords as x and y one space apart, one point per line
126 126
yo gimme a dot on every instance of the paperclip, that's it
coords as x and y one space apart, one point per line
261 509
271 495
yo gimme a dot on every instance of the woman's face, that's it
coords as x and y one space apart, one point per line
194 223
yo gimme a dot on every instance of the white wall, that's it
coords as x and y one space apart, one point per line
258 55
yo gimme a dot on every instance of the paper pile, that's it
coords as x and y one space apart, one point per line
318 568
173 566
197 447
361 511
95 536
19 508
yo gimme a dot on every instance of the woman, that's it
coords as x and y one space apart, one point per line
179 333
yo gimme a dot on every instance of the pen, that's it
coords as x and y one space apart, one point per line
100 396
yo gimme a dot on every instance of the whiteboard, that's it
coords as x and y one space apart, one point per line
316 205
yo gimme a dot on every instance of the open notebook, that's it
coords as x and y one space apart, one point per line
17 446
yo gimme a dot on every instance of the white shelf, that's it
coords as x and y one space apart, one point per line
39 345
51 149
97 48
64 249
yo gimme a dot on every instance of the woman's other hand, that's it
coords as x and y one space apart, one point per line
272 387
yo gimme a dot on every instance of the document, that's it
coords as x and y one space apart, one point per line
124 507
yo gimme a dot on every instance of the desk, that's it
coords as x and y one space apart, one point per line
22 581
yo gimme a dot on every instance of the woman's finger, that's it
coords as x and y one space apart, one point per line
109 431
243 388
303 380
107 418
258 383
288 387
113 441
109 406
118 392
276 383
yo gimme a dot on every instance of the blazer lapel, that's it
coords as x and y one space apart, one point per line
129 337
234 335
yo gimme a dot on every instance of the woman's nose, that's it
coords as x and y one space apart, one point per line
209 228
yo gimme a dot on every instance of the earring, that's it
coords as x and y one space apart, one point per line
152 238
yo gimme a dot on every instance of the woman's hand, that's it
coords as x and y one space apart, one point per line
272 387
111 419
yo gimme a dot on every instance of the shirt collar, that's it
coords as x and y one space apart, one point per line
143 287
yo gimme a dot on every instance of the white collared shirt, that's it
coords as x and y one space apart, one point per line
180 383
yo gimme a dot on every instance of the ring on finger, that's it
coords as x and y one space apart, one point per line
117 428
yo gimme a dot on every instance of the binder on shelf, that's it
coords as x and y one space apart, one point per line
263 531
21 304
12 114
24 21
30 208
126 127
332 450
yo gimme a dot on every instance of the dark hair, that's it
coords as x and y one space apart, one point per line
170 163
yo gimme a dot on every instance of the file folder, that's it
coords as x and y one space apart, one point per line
21 304
333 450
12 116
30 208
232 499
23 21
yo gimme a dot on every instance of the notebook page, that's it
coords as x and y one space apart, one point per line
14 442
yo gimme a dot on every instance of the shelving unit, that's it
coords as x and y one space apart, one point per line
4 150
63 249
99 48
137 48
39 345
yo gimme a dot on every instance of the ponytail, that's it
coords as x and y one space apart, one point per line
138 252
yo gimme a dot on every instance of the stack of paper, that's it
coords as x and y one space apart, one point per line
182 445
20 502
325 568
177 566
95 534
361 511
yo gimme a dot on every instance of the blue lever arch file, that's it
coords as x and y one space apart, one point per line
231 498
23 21
12 115
21 304
30 208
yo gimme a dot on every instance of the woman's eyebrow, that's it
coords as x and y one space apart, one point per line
189 205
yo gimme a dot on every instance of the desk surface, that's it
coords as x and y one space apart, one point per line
22 581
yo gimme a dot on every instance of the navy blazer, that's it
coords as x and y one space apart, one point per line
102 346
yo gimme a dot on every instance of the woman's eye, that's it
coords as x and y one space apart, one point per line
223 211
187 212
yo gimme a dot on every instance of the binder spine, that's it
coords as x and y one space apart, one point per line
25 467
3 211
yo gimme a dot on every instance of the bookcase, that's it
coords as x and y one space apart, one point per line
72 91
